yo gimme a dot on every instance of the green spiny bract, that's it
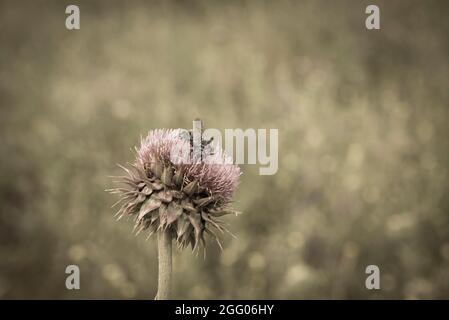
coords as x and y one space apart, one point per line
182 197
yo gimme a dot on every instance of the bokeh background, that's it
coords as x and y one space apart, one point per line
363 144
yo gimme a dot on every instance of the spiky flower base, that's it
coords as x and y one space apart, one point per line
161 197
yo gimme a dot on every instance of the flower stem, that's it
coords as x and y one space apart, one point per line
165 265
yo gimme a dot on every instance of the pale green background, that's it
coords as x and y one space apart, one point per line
363 144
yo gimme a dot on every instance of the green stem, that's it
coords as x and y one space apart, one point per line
165 265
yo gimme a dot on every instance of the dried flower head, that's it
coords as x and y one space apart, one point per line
170 188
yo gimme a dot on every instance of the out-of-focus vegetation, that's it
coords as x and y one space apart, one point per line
363 144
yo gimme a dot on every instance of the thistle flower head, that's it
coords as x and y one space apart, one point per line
168 187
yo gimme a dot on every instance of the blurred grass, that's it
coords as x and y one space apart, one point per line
363 149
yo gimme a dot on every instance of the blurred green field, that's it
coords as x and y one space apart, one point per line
363 144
